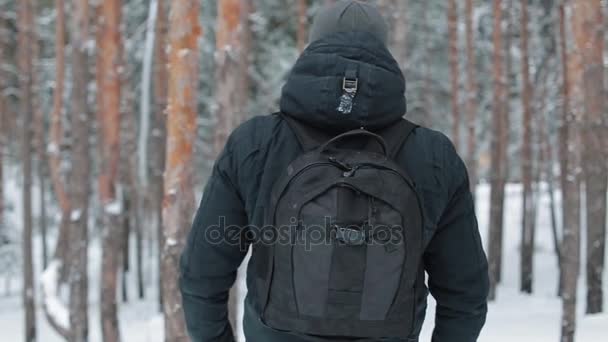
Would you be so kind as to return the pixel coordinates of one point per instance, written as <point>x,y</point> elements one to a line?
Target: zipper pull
<point>343,166</point>
<point>352,171</point>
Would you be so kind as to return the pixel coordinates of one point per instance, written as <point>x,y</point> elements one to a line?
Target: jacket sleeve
<point>212,255</point>
<point>456,262</point>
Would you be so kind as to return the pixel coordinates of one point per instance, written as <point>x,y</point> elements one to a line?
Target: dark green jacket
<point>258,151</point>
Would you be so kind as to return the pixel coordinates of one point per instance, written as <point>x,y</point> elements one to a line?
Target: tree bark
<point>139,250</point>
<point>55,144</point>
<point>505,123</point>
<point>454,70</point>
<point>529,215</point>
<point>159,130</point>
<point>2,147</point>
<point>178,204</point>
<point>498,151</point>
<point>231,53</point>
<point>588,29</point>
<point>471,97</point>
<point>39,146</point>
<point>109,61</point>
<point>564,128</point>
<point>80,176</point>
<point>25,52</point>
<point>546,167</point>
<point>3,129</point>
<point>400,31</point>
<point>427,91</point>
<point>125,243</point>
<point>302,33</point>
<point>145,95</point>
<point>570,179</point>
<point>42,220</point>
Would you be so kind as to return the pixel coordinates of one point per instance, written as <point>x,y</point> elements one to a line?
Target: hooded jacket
<point>257,152</point>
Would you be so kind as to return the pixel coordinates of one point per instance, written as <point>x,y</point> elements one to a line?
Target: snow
<point>513,317</point>
<point>183,53</point>
<point>75,215</point>
<point>50,295</point>
<point>114,208</point>
<point>52,148</point>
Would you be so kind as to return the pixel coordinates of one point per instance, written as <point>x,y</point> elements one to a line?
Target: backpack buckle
<point>349,236</point>
<point>350,86</point>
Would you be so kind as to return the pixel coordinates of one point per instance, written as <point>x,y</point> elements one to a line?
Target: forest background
<point>112,113</point>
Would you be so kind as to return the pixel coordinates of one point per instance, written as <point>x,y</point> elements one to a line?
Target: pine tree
<point>79,177</point>
<point>588,28</point>
<point>159,126</point>
<point>529,215</point>
<point>498,150</point>
<point>454,70</point>
<point>471,98</point>
<point>570,180</point>
<point>302,37</point>
<point>25,53</point>
<point>400,31</point>
<point>231,52</point>
<point>178,204</point>
<point>109,65</point>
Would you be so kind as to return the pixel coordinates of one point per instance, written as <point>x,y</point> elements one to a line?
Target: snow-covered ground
<point>513,317</point>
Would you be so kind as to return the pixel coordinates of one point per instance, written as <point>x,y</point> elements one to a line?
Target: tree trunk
<point>471,97</point>
<point>570,179</point>
<point>25,47</point>
<point>546,167</point>
<point>3,129</point>
<point>2,147</point>
<point>39,145</point>
<point>427,91</point>
<point>109,61</point>
<point>42,221</point>
<point>139,251</point>
<point>504,124</point>
<point>231,52</point>
<point>454,70</point>
<point>498,151</point>
<point>80,177</point>
<point>159,131</point>
<point>589,36</point>
<point>147,109</point>
<point>400,30</point>
<point>55,147</point>
<point>126,234</point>
<point>178,204</point>
<point>145,95</point>
<point>302,37</point>
<point>528,217</point>
<point>564,128</point>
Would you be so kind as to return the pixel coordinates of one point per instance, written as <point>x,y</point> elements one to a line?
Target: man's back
<point>238,193</point>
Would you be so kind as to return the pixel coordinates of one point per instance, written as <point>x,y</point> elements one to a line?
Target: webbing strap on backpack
<point>310,138</point>
<point>397,134</point>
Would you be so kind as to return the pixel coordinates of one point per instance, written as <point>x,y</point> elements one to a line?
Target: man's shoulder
<point>432,158</point>
<point>435,145</point>
<point>254,133</point>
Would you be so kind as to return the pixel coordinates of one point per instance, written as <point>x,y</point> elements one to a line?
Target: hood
<point>315,91</point>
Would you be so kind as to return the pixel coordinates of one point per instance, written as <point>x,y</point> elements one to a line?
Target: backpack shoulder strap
<point>308,137</point>
<point>397,134</point>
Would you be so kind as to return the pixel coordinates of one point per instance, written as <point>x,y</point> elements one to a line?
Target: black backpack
<point>342,244</point>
